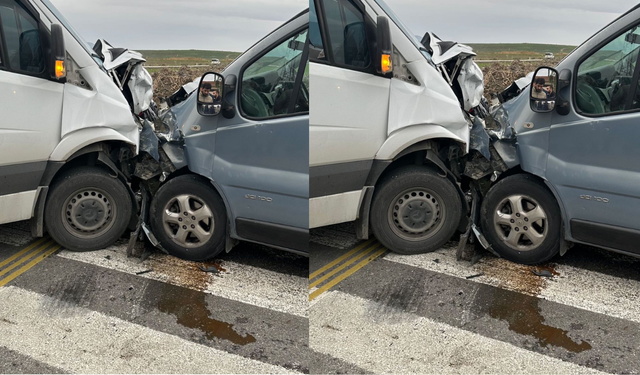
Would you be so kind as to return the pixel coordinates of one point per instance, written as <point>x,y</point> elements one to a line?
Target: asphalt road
<point>371,311</point>
<point>101,312</point>
<point>376,312</point>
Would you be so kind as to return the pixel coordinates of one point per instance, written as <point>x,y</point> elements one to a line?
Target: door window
<point>22,39</point>
<point>268,84</point>
<point>347,34</point>
<point>605,81</point>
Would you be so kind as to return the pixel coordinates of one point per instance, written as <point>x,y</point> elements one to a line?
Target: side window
<point>605,79</point>
<point>22,38</point>
<point>347,34</point>
<point>316,47</point>
<point>268,83</point>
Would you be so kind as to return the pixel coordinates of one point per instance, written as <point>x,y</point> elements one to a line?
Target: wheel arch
<point>217,188</point>
<point>96,154</point>
<point>423,152</point>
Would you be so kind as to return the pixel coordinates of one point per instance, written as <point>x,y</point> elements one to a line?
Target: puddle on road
<point>516,303</point>
<point>190,309</point>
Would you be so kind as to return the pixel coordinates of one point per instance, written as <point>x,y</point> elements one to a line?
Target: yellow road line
<point>21,252</point>
<point>25,258</point>
<point>350,272</point>
<point>342,258</point>
<point>29,265</point>
<point>344,265</point>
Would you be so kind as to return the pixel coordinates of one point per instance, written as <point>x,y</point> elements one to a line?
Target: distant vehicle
<point>549,55</point>
<point>215,61</point>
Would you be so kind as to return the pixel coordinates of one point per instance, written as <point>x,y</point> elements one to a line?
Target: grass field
<point>187,57</point>
<point>504,51</point>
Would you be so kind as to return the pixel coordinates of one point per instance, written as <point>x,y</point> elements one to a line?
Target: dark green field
<point>187,57</point>
<point>506,51</point>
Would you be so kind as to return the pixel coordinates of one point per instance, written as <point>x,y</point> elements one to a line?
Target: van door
<point>349,112</point>
<point>30,113</point>
<point>594,152</point>
<point>262,158</point>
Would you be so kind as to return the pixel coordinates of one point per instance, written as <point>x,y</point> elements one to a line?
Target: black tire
<point>438,209</point>
<point>535,193</point>
<point>87,209</point>
<point>200,192</point>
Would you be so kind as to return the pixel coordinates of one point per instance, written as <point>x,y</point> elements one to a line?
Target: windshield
<point>405,30</point>
<point>70,28</point>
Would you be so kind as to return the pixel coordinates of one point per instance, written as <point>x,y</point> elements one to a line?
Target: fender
<point>73,142</point>
<point>232,234</point>
<point>37,220</point>
<point>406,137</point>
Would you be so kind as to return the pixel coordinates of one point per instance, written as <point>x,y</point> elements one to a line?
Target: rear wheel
<point>189,218</point>
<point>415,211</point>
<point>521,220</point>
<point>87,209</point>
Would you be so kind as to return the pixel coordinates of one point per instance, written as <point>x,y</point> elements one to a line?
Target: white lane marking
<point>575,287</point>
<point>242,283</point>
<point>368,335</point>
<point>86,341</point>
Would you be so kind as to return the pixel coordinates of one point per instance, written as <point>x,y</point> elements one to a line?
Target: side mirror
<point>58,56</point>
<point>384,63</point>
<point>544,88</point>
<point>210,94</point>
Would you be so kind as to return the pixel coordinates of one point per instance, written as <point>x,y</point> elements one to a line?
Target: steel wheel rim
<point>89,213</point>
<point>416,214</point>
<point>188,221</point>
<point>521,223</point>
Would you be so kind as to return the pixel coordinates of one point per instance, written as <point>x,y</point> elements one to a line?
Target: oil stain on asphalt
<point>190,309</point>
<point>522,311</point>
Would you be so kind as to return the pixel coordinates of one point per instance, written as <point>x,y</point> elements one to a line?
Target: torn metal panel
<point>141,87</point>
<point>471,81</point>
<point>149,141</point>
<point>479,139</point>
<point>498,124</point>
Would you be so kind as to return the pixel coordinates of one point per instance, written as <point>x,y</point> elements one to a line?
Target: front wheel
<point>521,220</point>
<point>189,218</point>
<point>415,210</point>
<point>87,209</point>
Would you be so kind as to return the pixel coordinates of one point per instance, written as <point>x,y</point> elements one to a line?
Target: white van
<point>384,127</point>
<point>63,125</point>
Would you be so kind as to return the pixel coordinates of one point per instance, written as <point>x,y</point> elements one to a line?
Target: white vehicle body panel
<point>353,126</point>
<point>17,207</point>
<point>31,112</point>
<point>334,209</point>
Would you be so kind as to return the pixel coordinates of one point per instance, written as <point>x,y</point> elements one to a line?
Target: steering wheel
<point>588,99</point>
<point>253,104</point>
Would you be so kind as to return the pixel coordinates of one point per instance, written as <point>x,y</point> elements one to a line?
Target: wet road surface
<point>101,312</point>
<point>432,314</point>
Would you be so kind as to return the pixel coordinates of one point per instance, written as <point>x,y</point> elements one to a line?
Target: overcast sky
<point>235,25</point>
<point>229,25</point>
<point>509,21</point>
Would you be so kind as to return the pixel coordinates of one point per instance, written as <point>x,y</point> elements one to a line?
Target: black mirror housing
<point>58,54</point>
<point>543,92</point>
<point>384,52</point>
<point>210,94</point>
